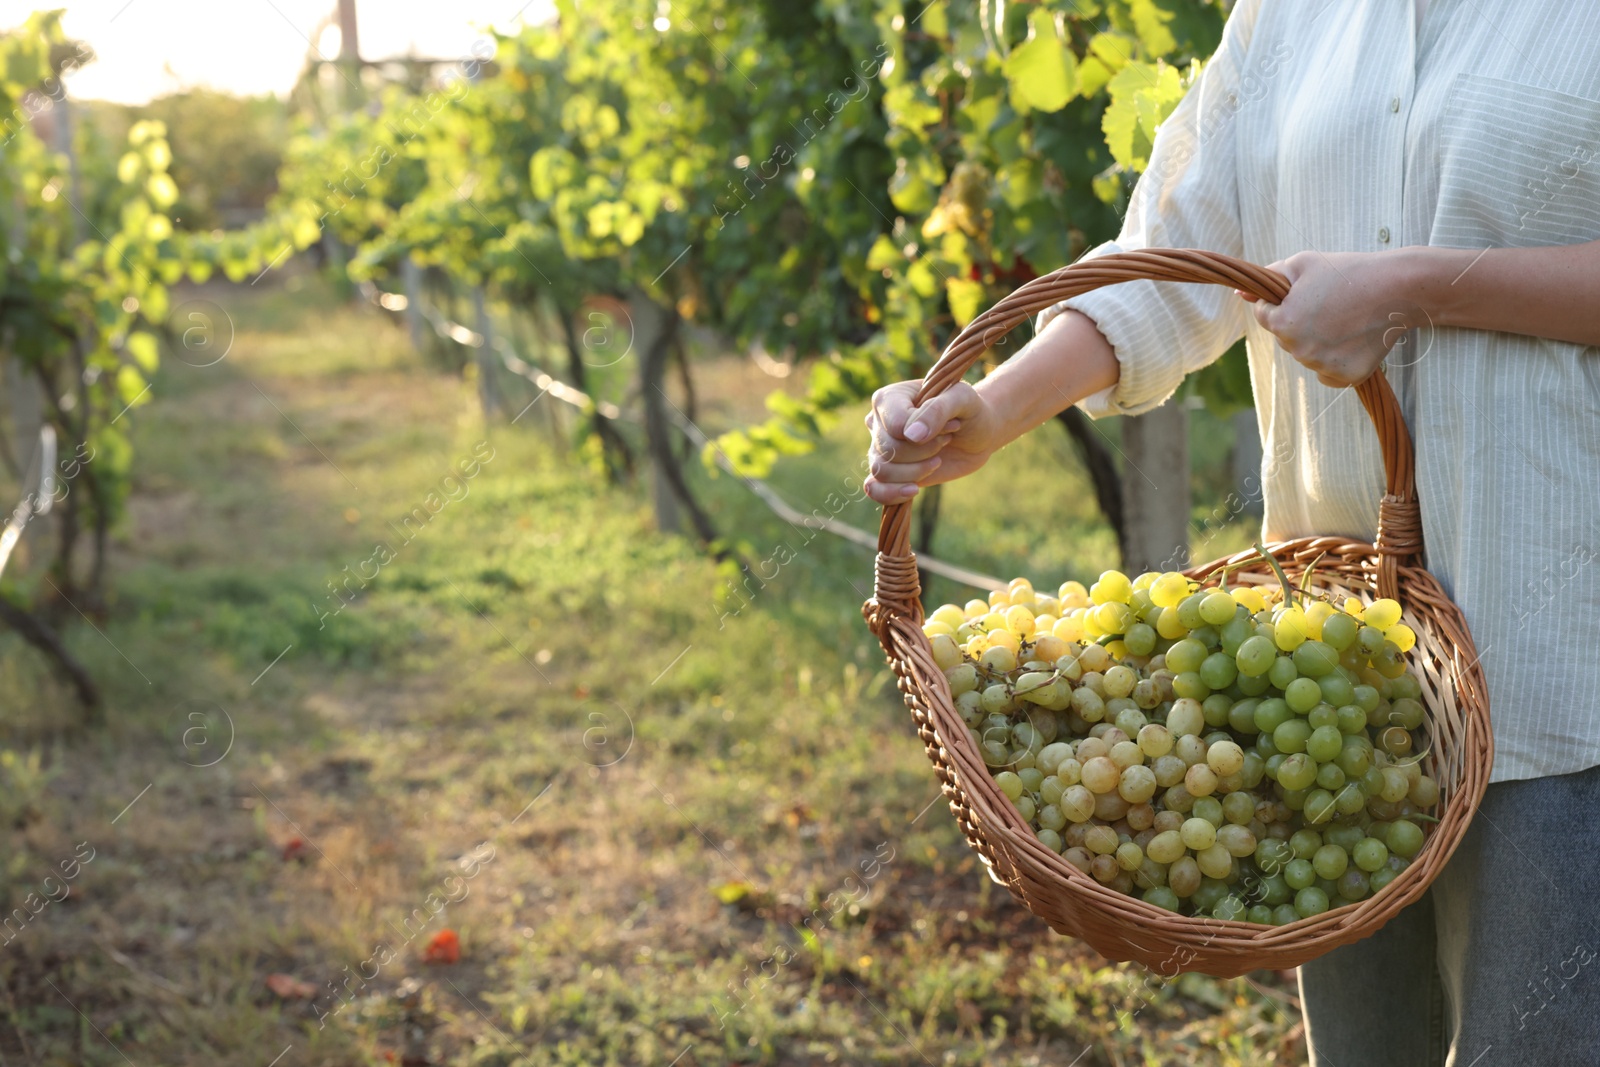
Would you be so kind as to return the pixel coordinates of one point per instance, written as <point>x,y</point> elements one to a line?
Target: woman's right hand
<point>951,435</point>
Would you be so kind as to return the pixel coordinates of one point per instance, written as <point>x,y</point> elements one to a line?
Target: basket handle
<point>1399,518</point>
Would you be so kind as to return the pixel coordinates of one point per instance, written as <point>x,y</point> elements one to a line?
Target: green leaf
<point>1042,70</point>
<point>883,254</point>
<point>1150,23</point>
<point>142,347</point>
<point>933,21</point>
<point>1142,96</point>
<point>966,297</point>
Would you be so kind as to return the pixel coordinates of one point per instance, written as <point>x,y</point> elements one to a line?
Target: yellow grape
<point>1289,627</point>
<point>1250,597</point>
<point>1071,627</point>
<point>995,620</point>
<point>1006,638</point>
<point>1091,627</point>
<point>1047,605</point>
<point>1145,580</point>
<point>1017,584</point>
<point>1114,618</point>
<point>1117,650</point>
<point>945,652</point>
<point>1049,647</point>
<point>999,598</point>
<point>1353,608</point>
<point>933,629</point>
<point>950,615</point>
<point>1043,623</point>
<point>1318,613</point>
<point>1020,621</point>
<point>999,658</point>
<point>1168,626</point>
<point>1403,636</point>
<point>977,646</point>
<point>1382,613</point>
<point>1168,590</point>
<point>976,609</point>
<point>1113,587</point>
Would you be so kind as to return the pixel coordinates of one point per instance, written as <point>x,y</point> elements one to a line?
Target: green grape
<point>1265,747</point>
<point>1324,744</point>
<point>1319,807</point>
<point>1273,856</point>
<point>1050,757</point>
<point>1350,800</point>
<point>1330,860</point>
<point>1255,657</point>
<point>1230,908</point>
<point>1218,670</point>
<point>1298,771</point>
<point>1345,837</point>
<point>1238,808</point>
<point>1027,808</point>
<point>1130,857</point>
<point>1299,874</point>
<point>1077,804</point>
<point>1130,721</point>
<point>995,753</point>
<point>1424,791</point>
<point>1051,789</point>
<point>1395,741</point>
<point>1050,840</point>
<point>1284,914</point>
<point>1189,611</point>
<point>1274,890</point>
<point>1198,834</point>
<point>1259,914</point>
<point>1366,698</point>
<point>1406,687</point>
<point>996,699</point>
<point>1211,890</point>
<point>1242,715</point>
<point>1271,713</point>
<point>963,678</point>
<point>1255,769</point>
<point>1295,799</point>
<point>1339,631</point>
<point>1336,690</point>
<point>1302,695</point>
<point>1032,779</point>
<point>1252,687</point>
<point>1210,809</point>
<point>1378,879</point>
<point>1323,714</point>
<point>1355,758</point>
<point>1235,632</point>
<point>1310,901</point>
<point>1140,639</point>
<point>1189,685</point>
<point>1354,885</point>
<point>1370,854</point>
<point>1215,709</point>
<point>1218,608</point>
<point>1370,640</point>
<point>1292,736</point>
<point>1185,655</point>
<point>1395,785</point>
<point>1010,784</point>
<point>1162,897</point>
<point>1406,713</point>
<point>1282,672</point>
<point>1184,876</point>
<point>1314,659</point>
<point>1330,777</point>
<point>1350,719</point>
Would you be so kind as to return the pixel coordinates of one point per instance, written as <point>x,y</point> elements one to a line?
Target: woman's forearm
<point>1549,292</point>
<point>1069,360</point>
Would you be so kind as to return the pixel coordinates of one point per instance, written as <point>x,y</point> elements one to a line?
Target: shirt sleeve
<point>1186,198</point>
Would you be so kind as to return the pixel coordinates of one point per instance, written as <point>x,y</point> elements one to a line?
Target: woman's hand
<point>1344,311</point>
<point>952,434</point>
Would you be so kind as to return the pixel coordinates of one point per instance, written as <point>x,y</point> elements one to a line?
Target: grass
<point>668,827</point>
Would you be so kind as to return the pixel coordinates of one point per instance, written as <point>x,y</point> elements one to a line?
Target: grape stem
<point>1288,590</point>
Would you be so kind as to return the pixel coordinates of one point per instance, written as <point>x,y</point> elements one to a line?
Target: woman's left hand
<point>1344,312</point>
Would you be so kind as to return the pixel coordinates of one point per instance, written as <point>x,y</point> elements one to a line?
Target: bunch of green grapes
<point>1247,754</point>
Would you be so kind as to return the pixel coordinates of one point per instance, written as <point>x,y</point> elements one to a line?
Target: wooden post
<point>1246,459</point>
<point>650,324</point>
<point>350,53</point>
<point>411,283</point>
<point>1155,489</point>
<point>488,381</point>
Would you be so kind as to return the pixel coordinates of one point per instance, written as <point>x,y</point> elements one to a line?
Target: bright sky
<point>146,48</point>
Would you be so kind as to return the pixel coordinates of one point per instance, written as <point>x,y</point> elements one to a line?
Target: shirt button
<point>1383,234</point>
<point>1394,105</point>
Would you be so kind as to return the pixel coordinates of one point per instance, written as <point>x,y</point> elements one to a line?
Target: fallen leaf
<point>288,987</point>
<point>443,947</point>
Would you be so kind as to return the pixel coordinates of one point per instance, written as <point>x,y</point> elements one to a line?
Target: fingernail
<point>916,431</point>
<point>908,491</point>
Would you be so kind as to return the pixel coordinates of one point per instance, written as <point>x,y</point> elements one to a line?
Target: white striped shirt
<point>1350,127</point>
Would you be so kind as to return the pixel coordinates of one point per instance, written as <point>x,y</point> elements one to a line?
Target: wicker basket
<point>1456,731</point>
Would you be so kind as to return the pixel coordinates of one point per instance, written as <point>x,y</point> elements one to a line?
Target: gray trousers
<point>1497,966</point>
